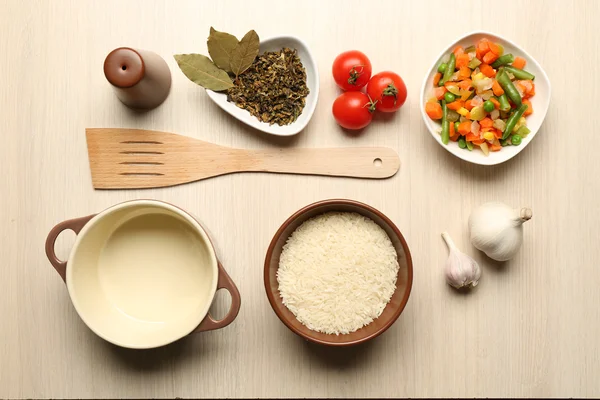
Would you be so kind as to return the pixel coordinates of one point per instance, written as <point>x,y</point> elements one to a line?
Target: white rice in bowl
<point>337,272</point>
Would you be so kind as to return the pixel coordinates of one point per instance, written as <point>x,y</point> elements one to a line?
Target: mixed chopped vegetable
<point>481,96</point>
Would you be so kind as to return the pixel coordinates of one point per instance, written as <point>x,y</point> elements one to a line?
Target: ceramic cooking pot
<point>143,274</point>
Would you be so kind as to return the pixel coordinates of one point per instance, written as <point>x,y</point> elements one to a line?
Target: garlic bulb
<point>497,229</point>
<point>461,270</point>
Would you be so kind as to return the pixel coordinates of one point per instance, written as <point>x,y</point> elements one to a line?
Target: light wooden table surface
<point>532,327</point>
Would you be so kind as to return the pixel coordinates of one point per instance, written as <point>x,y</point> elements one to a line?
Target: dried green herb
<point>220,46</point>
<point>202,71</point>
<point>244,53</point>
<point>273,89</point>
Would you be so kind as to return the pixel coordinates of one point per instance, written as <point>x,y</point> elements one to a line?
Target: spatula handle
<point>357,162</point>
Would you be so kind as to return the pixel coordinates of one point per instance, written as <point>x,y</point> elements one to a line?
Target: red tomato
<point>351,70</point>
<point>387,90</point>
<point>353,110</point>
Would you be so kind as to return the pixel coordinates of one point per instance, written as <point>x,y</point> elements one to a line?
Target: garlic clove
<point>461,270</point>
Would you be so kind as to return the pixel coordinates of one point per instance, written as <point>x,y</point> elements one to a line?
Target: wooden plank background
<point>531,328</point>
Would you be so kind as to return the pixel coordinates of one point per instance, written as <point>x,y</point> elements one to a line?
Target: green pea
<point>462,143</point>
<point>456,124</point>
<point>442,68</point>
<point>488,106</point>
<point>516,140</point>
<point>449,97</point>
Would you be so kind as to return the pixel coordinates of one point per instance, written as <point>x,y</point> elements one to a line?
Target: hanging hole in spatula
<point>377,162</point>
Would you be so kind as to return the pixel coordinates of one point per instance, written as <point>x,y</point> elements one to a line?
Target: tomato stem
<point>355,74</point>
<point>371,104</point>
<point>390,90</point>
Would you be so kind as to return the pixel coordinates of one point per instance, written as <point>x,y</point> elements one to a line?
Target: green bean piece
<point>462,143</point>
<point>488,106</point>
<point>470,49</point>
<point>503,60</point>
<point>445,124</point>
<point>512,121</point>
<point>469,146</point>
<point>509,89</point>
<point>442,68</point>
<point>523,131</point>
<point>456,124</point>
<point>449,70</point>
<point>504,104</point>
<point>505,142</point>
<point>519,73</point>
<point>515,140</point>
<point>449,97</point>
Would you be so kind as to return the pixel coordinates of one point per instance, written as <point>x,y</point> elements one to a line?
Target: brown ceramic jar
<point>141,78</point>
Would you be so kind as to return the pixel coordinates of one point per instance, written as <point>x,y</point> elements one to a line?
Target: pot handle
<point>225,282</point>
<point>75,225</point>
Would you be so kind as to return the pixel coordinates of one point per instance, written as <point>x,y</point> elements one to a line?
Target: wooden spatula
<point>136,158</point>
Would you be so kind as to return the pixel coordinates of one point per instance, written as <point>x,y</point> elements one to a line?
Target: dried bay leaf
<point>244,53</point>
<point>202,71</point>
<point>220,46</point>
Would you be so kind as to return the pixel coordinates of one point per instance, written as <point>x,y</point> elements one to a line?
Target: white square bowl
<point>539,102</point>
<point>312,81</point>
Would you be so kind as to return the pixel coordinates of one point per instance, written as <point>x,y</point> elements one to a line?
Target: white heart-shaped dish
<point>312,81</point>
<point>539,102</point>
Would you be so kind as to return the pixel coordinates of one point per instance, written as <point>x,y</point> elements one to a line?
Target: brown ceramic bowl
<point>391,312</point>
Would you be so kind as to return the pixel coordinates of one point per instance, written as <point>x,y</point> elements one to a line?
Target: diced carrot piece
<point>462,60</point>
<point>455,105</point>
<point>468,105</point>
<point>495,147</point>
<point>482,48</point>
<point>489,57</point>
<point>486,122</point>
<point>478,142</point>
<point>498,134</point>
<point>436,78</point>
<point>464,128</point>
<point>497,89</point>
<point>494,48</point>
<point>519,62</point>
<point>439,92</point>
<point>532,92</point>
<point>529,110</point>
<point>496,103</point>
<point>453,134</point>
<point>458,51</point>
<point>465,84</point>
<point>433,110</point>
<point>464,72</point>
<point>487,70</point>
<point>471,136</point>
